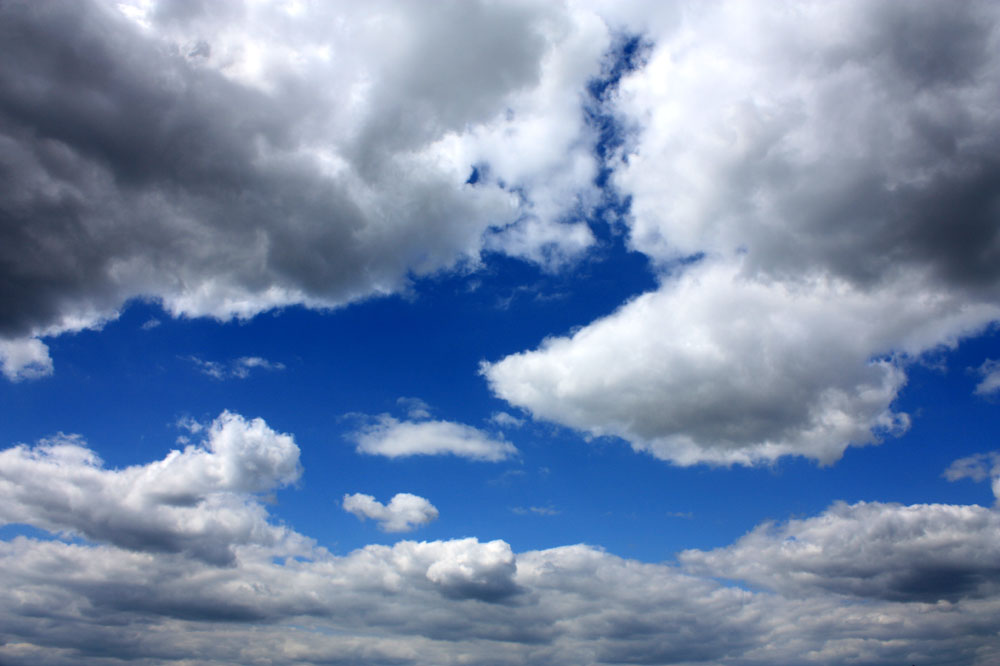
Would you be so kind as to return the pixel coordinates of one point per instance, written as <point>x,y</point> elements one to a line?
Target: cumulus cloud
<point>392,438</point>
<point>404,513</point>
<point>197,501</point>
<point>806,180</point>
<point>922,552</point>
<point>24,359</point>
<point>720,367</point>
<point>927,573</point>
<point>185,154</point>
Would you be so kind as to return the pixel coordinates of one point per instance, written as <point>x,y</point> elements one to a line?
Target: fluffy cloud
<point>392,438</point>
<point>720,367</point>
<point>187,154</point>
<point>820,196</point>
<point>404,513</point>
<point>922,552</point>
<point>927,573</point>
<point>196,501</point>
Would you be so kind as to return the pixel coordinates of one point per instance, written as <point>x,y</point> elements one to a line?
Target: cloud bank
<point>157,591</point>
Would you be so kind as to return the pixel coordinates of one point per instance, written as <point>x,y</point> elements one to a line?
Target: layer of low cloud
<point>819,195</point>
<point>927,575</point>
<point>186,154</point>
<point>393,438</point>
<point>404,512</point>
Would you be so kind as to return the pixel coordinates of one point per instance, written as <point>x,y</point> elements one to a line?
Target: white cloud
<point>818,195</point>
<point>719,367</point>
<point>990,372</point>
<point>399,439</point>
<point>343,190</point>
<point>24,359</point>
<point>505,420</point>
<point>404,513</point>
<point>927,575</point>
<point>979,467</point>
<point>415,408</point>
<point>197,501</point>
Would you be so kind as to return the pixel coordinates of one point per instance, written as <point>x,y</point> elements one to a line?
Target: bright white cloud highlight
<point>403,513</point>
<point>719,367</point>
<point>24,359</point>
<point>392,438</point>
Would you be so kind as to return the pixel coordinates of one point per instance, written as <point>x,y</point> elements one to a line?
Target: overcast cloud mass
<point>813,189</point>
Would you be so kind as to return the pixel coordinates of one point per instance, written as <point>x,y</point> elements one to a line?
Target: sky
<point>499,332</point>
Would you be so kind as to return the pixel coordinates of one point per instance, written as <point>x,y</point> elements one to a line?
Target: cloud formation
<point>185,154</point>
<point>927,573</point>
<point>199,501</point>
<point>392,438</point>
<point>403,513</point>
<point>819,195</point>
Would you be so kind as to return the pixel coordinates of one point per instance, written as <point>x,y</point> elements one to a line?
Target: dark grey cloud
<point>228,161</point>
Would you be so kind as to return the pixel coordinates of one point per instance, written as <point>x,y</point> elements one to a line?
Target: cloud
<point>990,372</point>
<point>24,359</point>
<point>927,575</point>
<point>399,439</point>
<point>505,420</point>
<point>719,367</point>
<point>404,513</point>
<point>415,408</point>
<point>922,552</point>
<point>189,157</point>
<point>805,179</point>
<point>197,501</point>
<point>979,467</point>
<point>239,368</point>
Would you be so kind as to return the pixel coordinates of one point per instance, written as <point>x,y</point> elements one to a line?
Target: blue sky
<point>499,333</point>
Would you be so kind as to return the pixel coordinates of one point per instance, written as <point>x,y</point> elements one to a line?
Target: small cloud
<point>687,515</point>
<point>538,510</point>
<point>239,368</point>
<point>404,513</point>
<point>25,358</point>
<point>150,324</point>
<point>990,372</point>
<point>979,467</point>
<point>415,408</point>
<point>400,439</point>
<point>505,420</point>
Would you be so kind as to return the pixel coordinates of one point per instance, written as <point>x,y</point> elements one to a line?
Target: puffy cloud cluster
<point>817,183</point>
<point>197,501</point>
<point>146,591</point>
<point>225,161</point>
<point>404,512</point>
<point>393,438</point>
